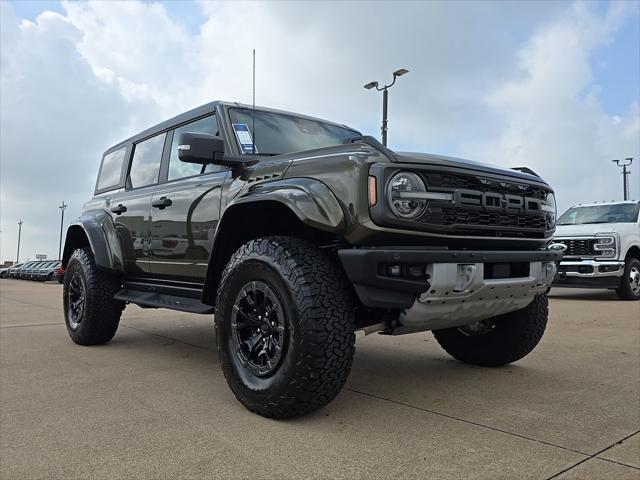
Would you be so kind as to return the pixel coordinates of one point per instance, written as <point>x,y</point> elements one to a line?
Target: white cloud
<point>553,119</point>
<point>507,82</point>
<point>56,118</point>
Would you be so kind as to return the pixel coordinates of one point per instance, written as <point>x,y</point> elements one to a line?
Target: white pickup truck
<point>603,247</point>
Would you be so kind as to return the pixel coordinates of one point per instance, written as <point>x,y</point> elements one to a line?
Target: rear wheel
<point>285,327</point>
<point>91,313</point>
<point>499,340</point>
<point>630,283</point>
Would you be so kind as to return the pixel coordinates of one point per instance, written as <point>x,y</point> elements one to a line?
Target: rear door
<point>186,210</point>
<point>130,208</point>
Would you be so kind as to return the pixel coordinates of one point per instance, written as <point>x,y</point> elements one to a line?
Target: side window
<point>109,175</point>
<point>178,169</point>
<point>145,165</point>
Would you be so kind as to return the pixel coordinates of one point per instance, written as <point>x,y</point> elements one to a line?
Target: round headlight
<point>551,210</point>
<point>400,195</point>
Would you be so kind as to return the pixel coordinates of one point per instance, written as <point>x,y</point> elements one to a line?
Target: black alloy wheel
<point>258,327</point>
<point>76,297</point>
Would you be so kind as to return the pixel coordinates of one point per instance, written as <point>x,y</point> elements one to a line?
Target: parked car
<point>603,247</point>
<point>21,272</point>
<point>10,273</point>
<point>302,238</point>
<point>37,270</point>
<point>60,274</point>
<point>32,272</point>
<point>49,271</point>
<point>4,271</point>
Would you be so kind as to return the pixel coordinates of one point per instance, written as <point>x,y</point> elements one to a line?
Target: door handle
<point>119,209</point>
<point>162,203</point>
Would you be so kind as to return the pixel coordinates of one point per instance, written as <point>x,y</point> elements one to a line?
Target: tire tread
<point>326,319</point>
<point>517,334</point>
<point>102,314</point>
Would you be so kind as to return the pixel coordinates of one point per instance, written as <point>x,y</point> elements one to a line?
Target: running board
<point>163,300</point>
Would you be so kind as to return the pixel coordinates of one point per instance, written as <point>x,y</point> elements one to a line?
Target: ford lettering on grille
<point>496,201</point>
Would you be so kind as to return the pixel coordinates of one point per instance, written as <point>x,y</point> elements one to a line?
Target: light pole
<point>385,99</point>
<point>625,183</point>
<point>19,234</point>
<point>62,209</point>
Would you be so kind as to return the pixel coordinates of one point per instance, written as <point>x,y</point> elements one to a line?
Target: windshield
<point>617,213</point>
<point>277,133</point>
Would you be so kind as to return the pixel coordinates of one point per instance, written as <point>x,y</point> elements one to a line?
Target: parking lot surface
<point>153,403</point>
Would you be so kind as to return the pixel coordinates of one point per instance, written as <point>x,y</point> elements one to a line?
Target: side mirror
<point>200,148</point>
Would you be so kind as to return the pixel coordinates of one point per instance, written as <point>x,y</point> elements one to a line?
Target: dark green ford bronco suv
<point>296,232</point>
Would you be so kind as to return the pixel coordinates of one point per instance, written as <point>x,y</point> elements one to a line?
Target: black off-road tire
<point>100,315</point>
<point>626,290</point>
<point>319,337</point>
<point>511,337</point>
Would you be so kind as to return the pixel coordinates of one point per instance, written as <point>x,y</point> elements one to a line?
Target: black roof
<point>204,110</point>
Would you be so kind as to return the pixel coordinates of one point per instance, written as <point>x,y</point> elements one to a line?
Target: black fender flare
<point>97,229</point>
<point>311,201</point>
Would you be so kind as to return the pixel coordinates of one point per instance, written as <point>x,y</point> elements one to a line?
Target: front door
<point>185,211</point>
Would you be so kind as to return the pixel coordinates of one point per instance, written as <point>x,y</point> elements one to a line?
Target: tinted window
<point>146,162</point>
<point>109,175</point>
<point>178,169</point>
<point>276,133</point>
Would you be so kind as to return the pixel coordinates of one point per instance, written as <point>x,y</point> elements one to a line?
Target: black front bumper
<point>364,266</point>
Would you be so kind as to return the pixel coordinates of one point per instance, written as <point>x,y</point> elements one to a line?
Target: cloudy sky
<point>551,85</point>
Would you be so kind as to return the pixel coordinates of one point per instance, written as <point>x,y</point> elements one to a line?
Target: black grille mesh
<point>456,216</point>
<point>579,247</point>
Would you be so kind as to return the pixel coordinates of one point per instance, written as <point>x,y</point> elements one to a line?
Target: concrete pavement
<point>153,403</point>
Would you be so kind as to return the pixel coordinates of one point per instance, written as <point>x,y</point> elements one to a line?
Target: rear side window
<point>145,165</point>
<point>109,176</point>
<point>178,169</point>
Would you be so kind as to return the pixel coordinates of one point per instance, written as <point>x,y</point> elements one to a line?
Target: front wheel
<point>91,313</point>
<point>285,327</point>
<point>500,340</point>
<point>630,283</point>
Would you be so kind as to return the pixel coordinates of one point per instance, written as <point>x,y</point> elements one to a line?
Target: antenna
<point>253,127</point>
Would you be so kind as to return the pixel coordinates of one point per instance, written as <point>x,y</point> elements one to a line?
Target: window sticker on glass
<point>243,134</point>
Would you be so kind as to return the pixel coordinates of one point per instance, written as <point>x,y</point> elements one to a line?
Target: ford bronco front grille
<point>486,206</point>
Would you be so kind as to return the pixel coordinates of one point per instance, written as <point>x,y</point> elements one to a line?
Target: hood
<point>442,160</point>
<point>583,230</point>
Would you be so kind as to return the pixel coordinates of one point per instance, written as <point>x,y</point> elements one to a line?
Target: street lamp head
<point>623,163</point>
<point>371,85</point>
<point>399,73</point>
